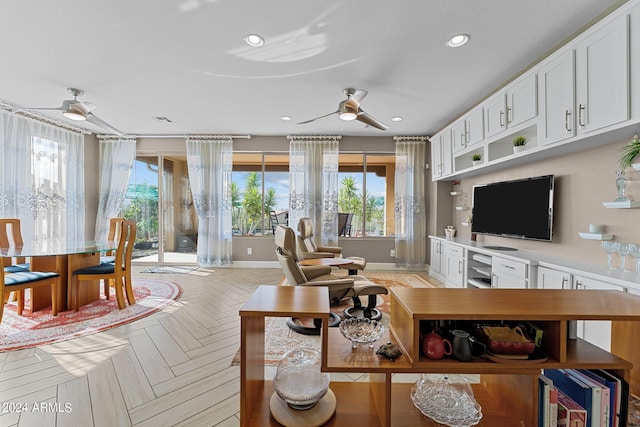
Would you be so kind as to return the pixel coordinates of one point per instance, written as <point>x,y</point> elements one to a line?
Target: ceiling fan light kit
<point>349,110</point>
<point>74,116</point>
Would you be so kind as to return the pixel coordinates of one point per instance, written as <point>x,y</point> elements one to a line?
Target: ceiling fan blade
<point>85,107</point>
<point>367,119</point>
<point>60,108</point>
<point>92,118</point>
<point>326,115</point>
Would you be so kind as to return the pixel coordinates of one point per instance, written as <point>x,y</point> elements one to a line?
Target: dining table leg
<point>90,289</point>
<point>41,296</point>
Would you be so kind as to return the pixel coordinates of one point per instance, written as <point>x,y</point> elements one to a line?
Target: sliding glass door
<point>159,200</point>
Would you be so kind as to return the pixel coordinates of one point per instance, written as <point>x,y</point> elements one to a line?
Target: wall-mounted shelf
<point>636,166</point>
<point>456,193</point>
<point>629,204</point>
<point>461,208</point>
<point>596,236</point>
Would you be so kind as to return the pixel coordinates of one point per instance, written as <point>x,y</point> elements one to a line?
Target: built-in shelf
<point>461,208</point>
<point>629,204</point>
<point>596,236</point>
<point>456,193</point>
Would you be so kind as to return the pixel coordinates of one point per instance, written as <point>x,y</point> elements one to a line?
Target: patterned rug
<point>279,338</point>
<point>171,269</point>
<point>33,329</point>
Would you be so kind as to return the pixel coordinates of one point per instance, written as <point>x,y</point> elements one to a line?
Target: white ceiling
<point>186,60</point>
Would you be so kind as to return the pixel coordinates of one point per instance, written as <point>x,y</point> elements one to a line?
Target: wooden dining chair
<point>114,225</point>
<point>11,227</point>
<point>117,273</point>
<point>18,282</point>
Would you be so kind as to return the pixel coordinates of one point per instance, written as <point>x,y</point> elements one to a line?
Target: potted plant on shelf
<point>629,153</point>
<point>476,159</point>
<point>518,143</point>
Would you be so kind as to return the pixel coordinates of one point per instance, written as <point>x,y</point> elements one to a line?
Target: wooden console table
<point>508,393</point>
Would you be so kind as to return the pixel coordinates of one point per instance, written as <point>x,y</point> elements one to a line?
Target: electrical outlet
<point>249,251</point>
<point>392,253</point>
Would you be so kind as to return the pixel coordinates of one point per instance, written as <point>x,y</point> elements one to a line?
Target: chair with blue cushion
<point>117,273</point>
<point>18,282</point>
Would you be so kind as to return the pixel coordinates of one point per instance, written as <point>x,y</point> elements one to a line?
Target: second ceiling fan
<point>349,109</point>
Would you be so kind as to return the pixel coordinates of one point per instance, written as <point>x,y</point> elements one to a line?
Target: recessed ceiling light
<point>254,40</point>
<point>285,118</point>
<point>396,119</point>
<point>458,40</point>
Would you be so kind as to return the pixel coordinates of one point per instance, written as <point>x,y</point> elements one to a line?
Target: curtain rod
<point>193,136</point>
<point>314,137</point>
<point>411,138</point>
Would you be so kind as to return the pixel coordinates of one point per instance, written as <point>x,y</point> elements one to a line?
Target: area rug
<point>171,269</point>
<point>33,329</point>
<point>279,338</point>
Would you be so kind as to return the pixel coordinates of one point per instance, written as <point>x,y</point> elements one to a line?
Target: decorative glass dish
<point>298,379</point>
<point>446,399</point>
<point>361,330</point>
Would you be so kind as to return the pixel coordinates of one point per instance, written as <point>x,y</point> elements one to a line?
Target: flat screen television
<point>520,208</point>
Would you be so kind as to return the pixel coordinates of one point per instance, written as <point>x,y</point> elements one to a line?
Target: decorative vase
<point>298,379</point>
<point>518,148</point>
<point>476,162</point>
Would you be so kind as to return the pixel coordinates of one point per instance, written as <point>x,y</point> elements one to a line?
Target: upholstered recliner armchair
<point>308,249</point>
<point>339,288</point>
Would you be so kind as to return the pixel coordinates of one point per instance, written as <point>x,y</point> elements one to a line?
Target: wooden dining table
<point>63,258</point>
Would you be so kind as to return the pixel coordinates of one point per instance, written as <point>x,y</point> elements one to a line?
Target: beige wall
<point>583,180</point>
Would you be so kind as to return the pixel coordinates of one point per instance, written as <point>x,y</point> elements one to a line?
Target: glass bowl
<point>446,399</point>
<point>298,379</point>
<point>361,330</point>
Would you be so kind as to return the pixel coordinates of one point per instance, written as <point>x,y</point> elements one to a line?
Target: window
<point>366,192</point>
<point>260,192</point>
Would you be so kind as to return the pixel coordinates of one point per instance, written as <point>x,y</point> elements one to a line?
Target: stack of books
<point>582,397</point>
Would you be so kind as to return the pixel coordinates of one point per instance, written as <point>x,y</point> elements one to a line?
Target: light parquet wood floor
<point>168,369</point>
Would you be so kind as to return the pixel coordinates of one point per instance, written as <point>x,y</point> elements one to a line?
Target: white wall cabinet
<point>602,77</point>
<point>511,107</point>
<point>441,154</point>
<point>587,88</point>
<point>468,131</point>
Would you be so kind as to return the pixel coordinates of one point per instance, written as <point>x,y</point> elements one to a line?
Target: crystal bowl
<point>446,399</point>
<point>298,379</point>
<point>361,330</point>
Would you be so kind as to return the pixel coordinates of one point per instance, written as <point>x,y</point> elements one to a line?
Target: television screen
<point>521,208</point>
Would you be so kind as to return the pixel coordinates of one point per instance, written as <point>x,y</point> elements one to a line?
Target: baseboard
<point>379,266</point>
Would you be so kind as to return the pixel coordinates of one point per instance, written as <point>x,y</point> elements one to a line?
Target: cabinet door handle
<point>501,117</point>
<point>578,284</point>
<point>509,116</point>
<point>494,279</point>
<point>580,119</point>
<point>567,125</point>
<point>565,281</point>
<point>460,262</point>
<point>508,266</point>
<point>462,140</point>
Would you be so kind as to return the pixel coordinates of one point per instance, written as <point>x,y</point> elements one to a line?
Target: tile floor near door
<point>169,369</point>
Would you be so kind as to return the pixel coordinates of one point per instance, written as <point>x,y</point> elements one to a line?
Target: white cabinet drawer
<point>509,267</point>
<point>456,251</point>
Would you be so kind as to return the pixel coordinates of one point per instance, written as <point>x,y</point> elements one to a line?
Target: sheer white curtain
<point>410,212</point>
<point>42,178</point>
<point>209,161</point>
<point>313,185</point>
<point>117,155</point>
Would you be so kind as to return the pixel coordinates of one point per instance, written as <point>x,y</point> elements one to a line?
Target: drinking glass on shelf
<point>634,251</point>
<point>623,249</point>
<point>609,248</point>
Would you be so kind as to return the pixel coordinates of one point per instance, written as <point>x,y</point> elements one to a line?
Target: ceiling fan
<point>81,110</point>
<point>349,109</point>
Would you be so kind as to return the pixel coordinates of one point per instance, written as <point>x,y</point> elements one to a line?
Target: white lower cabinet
<point>549,278</point>
<point>507,273</point>
<point>437,255</point>
<point>455,266</point>
<point>597,332</point>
